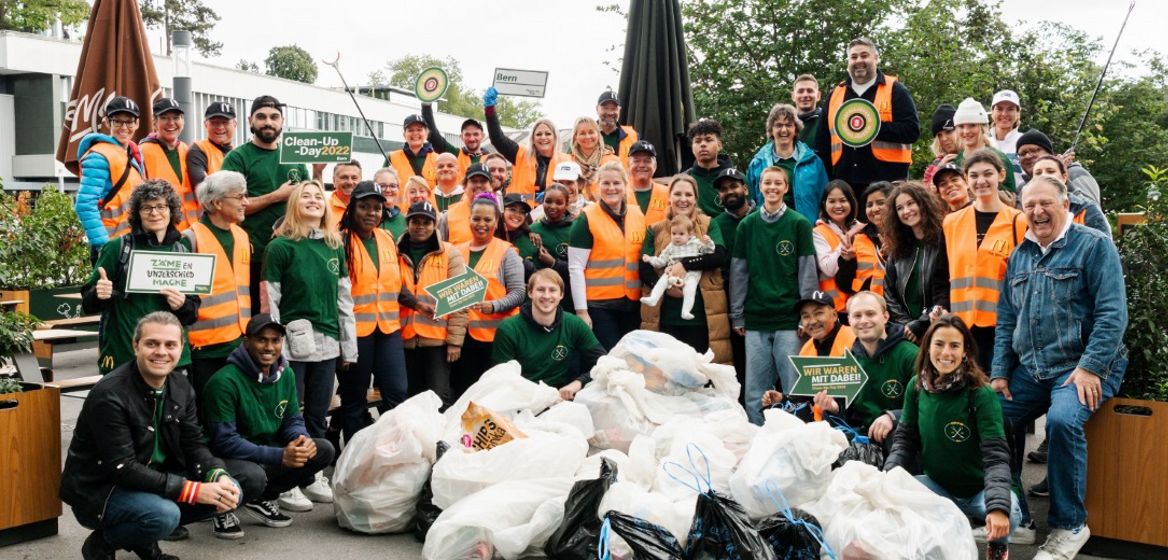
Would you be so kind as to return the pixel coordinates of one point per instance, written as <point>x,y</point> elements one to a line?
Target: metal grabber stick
<point>1091,103</point>
<point>336,66</point>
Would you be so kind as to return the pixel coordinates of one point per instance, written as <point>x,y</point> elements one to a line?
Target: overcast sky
<point>568,38</point>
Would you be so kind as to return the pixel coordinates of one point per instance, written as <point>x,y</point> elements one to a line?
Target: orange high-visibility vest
<point>658,204</point>
<point>626,144</point>
<point>401,164</point>
<point>613,264</point>
<point>115,211</point>
<point>158,167</point>
<point>869,264</point>
<point>214,155</point>
<point>892,152</point>
<point>1081,217</point>
<point>458,222</point>
<point>976,272</point>
<point>843,341</point>
<point>482,326</point>
<point>523,174</point>
<point>464,162</point>
<point>224,313</point>
<point>376,287</point>
<point>827,285</point>
<point>337,207</point>
<point>430,271</point>
<point>592,190</point>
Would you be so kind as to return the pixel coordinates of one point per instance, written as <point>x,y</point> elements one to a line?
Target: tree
<point>183,15</point>
<point>247,66</point>
<point>459,99</point>
<point>34,16</point>
<point>292,63</point>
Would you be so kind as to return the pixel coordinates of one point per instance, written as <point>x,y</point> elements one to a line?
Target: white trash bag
<point>511,519</point>
<point>503,390</point>
<point>380,473</point>
<point>670,366</point>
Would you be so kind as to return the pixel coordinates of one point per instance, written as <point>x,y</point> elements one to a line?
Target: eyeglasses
<point>387,186</point>
<point>160,209</point>
<point>119,123</point>
<point>238,197</point>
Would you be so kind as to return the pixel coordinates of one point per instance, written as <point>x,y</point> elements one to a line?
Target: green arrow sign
<point>458,293</point>
<point>839,376</point>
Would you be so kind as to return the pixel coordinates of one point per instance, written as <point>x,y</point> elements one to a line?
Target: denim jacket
<point>1064,309</point>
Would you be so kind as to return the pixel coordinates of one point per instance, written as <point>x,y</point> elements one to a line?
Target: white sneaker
<point>1063,544</point>
<point>1024,534</point>
<point>294,500</point>
<point>319,491</point>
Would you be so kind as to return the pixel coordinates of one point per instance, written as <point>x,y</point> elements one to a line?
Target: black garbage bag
<point>862,449</point>
<point>578,536</point>
<point>647,541</point>
<point>722,531</point>
<point>791,537</point>
<point>427,512</point>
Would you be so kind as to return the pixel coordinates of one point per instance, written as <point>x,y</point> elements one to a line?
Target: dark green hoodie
<point>889,371</point>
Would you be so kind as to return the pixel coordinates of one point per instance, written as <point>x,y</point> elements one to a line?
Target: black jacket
<point>114,440</point>
<point>858,166</point>
<point>934,286</point>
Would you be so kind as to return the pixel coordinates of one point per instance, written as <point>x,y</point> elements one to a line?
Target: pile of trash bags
<point>654,459</point>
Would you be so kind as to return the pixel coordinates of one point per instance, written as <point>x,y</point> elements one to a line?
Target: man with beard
<point>620,138</point>
<point>206,156</point>
<point>496,166</point>
<point>651,197</point>
<point>806,96</point>
<point>705,137</point>
<point>472,150</point>
<point>736,201</point>
<point>888,156</point>
<point>269,182</point>
<point>346,175</point>
<point>1034,144</point>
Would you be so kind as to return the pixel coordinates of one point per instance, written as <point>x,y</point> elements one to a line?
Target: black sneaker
<point>1038,455</point>
<point>152,552</point>
<point>226,526</point>
<point>1042,489</point>
<point>179,534</point>
<point>95,547</point>
<point>268,513</point>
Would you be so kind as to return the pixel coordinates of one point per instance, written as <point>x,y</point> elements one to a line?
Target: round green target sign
<point>857,122</point>
<point>431,84</point>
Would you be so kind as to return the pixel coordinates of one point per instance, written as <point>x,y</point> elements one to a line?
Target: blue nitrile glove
<point>490,97</point>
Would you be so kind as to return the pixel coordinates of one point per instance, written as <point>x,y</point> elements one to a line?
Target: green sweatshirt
<point>264,174</point>
<point>771,252</point>
<point>308,271</point>
<point>888,375</point>
<point>544,354</point>
<point>952,426</point>
<point>257,409</point>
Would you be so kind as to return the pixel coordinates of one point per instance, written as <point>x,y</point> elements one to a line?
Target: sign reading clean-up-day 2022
<point>316,147</point>
<point>458,293</point>
<point>840,376</point>
<point>188,273</point>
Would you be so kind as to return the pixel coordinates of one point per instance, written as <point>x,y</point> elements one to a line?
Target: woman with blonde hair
<point>590,153</point>
<point>973,134</point>
<point>534,164</point>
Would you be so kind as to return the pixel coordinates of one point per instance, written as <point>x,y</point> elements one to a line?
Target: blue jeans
<point>314,384</point>
<point>380,357</point>
<point>267,482</point>
<point>1066,467</point>
<point>134,518</point>
<point>974,507</point>
<point>766,362</point>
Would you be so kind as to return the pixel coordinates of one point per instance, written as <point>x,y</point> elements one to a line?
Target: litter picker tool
<point>336,66</point>
<point>1091,103</point>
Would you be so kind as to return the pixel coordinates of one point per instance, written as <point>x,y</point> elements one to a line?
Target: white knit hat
<point>970,112</point>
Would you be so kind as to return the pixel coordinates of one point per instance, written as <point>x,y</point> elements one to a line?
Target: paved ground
<point>313,535</point>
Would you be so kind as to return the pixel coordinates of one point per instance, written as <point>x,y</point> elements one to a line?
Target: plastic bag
<point>504,390</point>
<point>485,430</point>
<point>794,456</point>
<point>427,512</point>
<point>511,520</point>
<point>653,507</point>
<point>643,540</point>
<point>668,365</point>
<point>579,533</point>
<point>860,447</point>
<point>793,534</point>
<point>382,470</point>
<point>573,414</point>
<point>719,463</point>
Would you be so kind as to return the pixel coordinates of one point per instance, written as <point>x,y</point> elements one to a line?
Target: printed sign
<point>188,273</point>
<point>857,122</point>
<point>316,147</point>
<point>431,85</point>
<point>457,293</point>
<point>526,83</point>
<point>840,376</point>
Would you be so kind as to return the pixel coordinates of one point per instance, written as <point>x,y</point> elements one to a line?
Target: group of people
<point>818,248</point>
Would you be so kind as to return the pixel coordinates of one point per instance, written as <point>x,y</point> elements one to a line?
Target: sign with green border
<point>840,376</point>
<point>431,85</point>
<point>188,273</point>
<point>458,293</point>
<point>857,122</point>
<point>316,147</point>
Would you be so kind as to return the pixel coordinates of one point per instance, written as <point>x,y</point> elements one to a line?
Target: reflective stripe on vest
<point>224,313</point>
<point>376,287</point>
<point>828,285</point>
<point>892,152</point>
<point>158,167</point>
<point>434,268</point>
<point>976,272</point>
<point>844,339</point>
<point>869,264</point>
<point>612,268</point>
<point>481,326</point>
<point>114,214</point>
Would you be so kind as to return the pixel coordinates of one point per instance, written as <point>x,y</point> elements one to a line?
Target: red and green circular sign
<point>857,122</point>
<point>431,84</point>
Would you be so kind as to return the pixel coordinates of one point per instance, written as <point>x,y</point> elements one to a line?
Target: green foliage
<point>184,15</point>
<point>459,99</point>
<point>247,66</point>
<point>34,16</point>
<point>291,63</point>
<point>9,385</point>
<point>43,246</point>
<point>1145,258</point>
<point>15,334</point>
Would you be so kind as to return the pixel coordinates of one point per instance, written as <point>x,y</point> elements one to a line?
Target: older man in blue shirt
<point>1059,346</point>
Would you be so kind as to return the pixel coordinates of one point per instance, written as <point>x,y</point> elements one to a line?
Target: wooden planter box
<point>46,304</point>
<point>30,463</point>
<point>1127,490</point>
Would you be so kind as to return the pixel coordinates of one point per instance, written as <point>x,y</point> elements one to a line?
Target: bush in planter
<point>42,245</point>
<point>15,333</point>
<point>1144,250</point>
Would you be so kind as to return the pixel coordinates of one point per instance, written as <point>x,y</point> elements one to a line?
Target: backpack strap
<point>117,184</point>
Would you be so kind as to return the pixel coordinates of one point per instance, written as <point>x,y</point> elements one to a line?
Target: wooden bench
<point>83,321</point>
<point>76,384</point>
<point>47,341</point>
<point>10,304</point>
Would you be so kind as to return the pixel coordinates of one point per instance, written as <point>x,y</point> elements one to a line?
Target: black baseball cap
<point>260,322</point>
<point>266,101</point>
<point>366,189</point>
<point>122,104</point>
<point>477,169</point>
<point>606,97</point>
<point>818,298</point>
<point>730,174</point>
<point>414,119</point>
<point>423,208</point>
<point>219,109</point>
<point>471,122</point>
<point>945,170</point>
<point>166,105</point>
<point>642,146</point>
<point>516,200</point>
